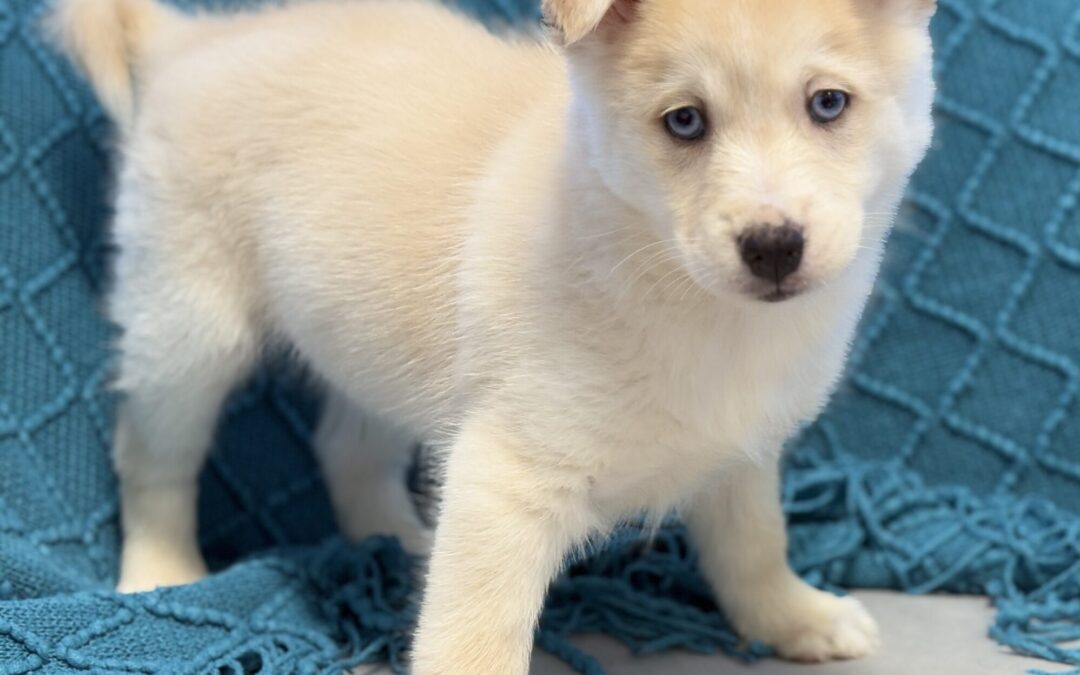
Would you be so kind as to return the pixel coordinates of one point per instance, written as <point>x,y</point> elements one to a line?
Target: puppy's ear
<point>576,19</point>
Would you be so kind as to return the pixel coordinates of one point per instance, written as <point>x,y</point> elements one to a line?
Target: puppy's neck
<point>612,248</point>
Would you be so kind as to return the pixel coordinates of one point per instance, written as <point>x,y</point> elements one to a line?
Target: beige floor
<point>923,636</point>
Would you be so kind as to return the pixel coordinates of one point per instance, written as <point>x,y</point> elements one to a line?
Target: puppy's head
<point>769,140</point>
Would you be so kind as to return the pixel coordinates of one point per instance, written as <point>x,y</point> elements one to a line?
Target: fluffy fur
<point>495,245</point>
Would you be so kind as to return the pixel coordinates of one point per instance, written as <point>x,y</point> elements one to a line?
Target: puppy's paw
<point>384,507</point>
<point>136,582</point>
<point>815,626</point>
<point>842,629</point>
<point>145,566</point>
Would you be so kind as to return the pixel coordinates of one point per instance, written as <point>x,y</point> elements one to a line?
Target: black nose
<point>772,253</point>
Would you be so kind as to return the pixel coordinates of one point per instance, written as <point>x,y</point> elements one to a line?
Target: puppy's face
<point>767,140</point>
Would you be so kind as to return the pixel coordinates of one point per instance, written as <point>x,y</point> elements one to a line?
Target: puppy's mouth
<point>777,292</point>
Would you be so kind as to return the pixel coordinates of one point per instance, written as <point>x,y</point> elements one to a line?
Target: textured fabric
<point>950,460</point>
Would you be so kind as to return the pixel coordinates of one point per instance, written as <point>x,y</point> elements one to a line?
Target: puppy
<point>609,272</point>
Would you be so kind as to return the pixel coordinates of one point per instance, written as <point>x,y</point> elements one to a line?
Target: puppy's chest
<point>681,410</point>
<point>678,429</point>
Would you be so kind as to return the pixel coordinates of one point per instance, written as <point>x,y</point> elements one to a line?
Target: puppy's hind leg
<point>365,462</point>
<point>184,346</point>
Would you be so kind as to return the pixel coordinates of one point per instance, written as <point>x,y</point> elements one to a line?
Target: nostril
<point>772,253</point>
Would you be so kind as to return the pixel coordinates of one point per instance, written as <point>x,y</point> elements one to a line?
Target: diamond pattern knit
<point>950,459</point>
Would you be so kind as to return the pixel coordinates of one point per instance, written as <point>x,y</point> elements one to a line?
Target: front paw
<point>146,564</point>
<point>813,626</point>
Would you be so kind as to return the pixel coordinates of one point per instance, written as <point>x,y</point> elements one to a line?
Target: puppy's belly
<point>390,353</point>
<point>656,489</point>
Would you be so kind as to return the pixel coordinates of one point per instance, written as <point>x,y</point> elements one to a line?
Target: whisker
<point>670,256</point>
<point>637,252</point>
<point>599,235</point>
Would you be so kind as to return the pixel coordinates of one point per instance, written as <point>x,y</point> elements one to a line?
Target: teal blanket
<point>949,460</point>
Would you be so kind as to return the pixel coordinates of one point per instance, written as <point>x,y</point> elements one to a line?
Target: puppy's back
<point>327,155</point>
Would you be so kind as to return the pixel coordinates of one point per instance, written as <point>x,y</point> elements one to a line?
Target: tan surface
<point>923,636</point>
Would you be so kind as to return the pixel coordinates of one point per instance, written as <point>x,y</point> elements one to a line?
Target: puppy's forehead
<point>757,19</point>
<point>747,38</point>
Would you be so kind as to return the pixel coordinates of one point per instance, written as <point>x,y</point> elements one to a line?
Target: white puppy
<point>609,276</point>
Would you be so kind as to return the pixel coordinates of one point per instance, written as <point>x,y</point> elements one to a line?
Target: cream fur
<point>495,245</point>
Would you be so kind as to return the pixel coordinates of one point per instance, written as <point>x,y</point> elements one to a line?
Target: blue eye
<point>827,105</point>
<point>686,124</point>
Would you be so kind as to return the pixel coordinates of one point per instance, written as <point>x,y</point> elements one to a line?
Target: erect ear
<point>575,19</point>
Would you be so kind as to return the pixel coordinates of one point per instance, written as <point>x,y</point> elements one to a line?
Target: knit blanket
<point>948,461</point>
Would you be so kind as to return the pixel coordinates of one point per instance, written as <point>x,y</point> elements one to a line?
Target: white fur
<point>365,462</point>
<point>494,245</point>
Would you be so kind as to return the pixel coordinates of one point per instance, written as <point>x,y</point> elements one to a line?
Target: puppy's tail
<point>111,40</point>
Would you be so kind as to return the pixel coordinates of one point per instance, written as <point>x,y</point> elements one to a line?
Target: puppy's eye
<point>685,124</point>
<point>827,105</point>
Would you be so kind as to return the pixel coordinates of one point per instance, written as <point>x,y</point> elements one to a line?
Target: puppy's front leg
<point>738,526</point>
<point>506,523</point>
